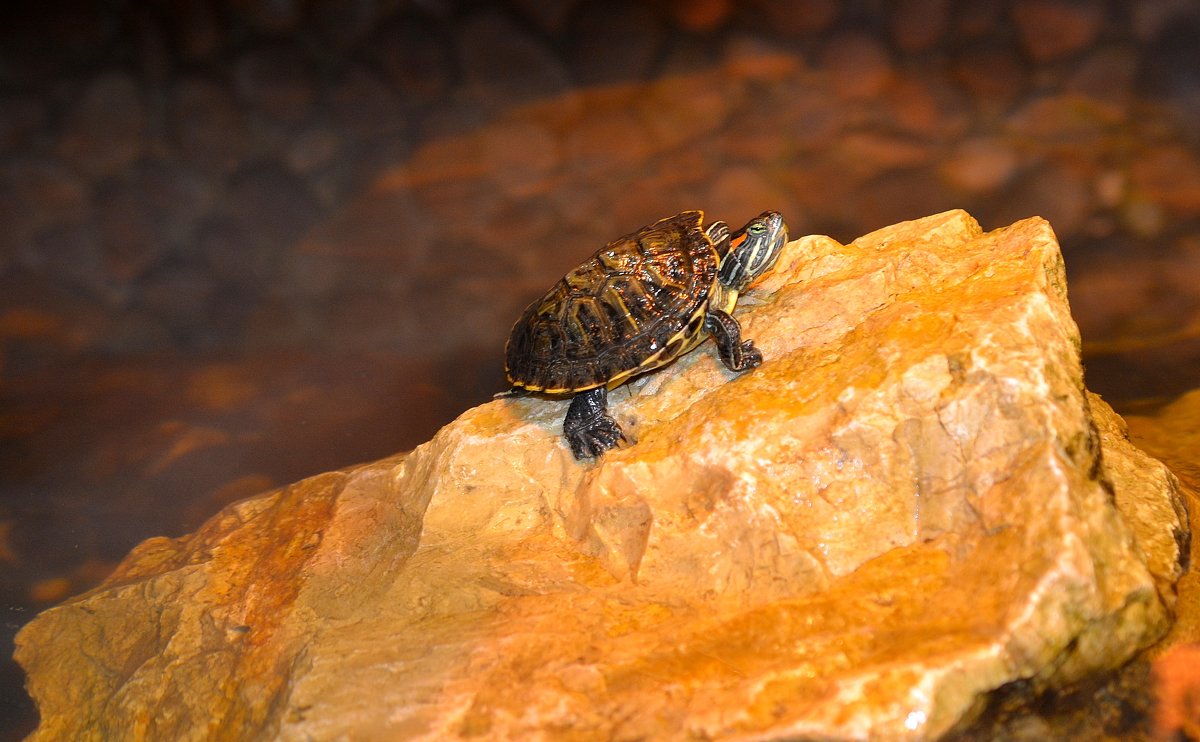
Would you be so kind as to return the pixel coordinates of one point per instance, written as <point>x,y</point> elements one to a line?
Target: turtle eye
<point>757,228</point>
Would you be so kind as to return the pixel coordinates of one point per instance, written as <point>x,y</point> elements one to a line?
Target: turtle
<point>636,305</point>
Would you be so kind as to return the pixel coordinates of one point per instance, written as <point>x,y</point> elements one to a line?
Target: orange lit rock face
<point>910,503</point>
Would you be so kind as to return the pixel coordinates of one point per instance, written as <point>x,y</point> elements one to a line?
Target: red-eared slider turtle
<point>636,305</point>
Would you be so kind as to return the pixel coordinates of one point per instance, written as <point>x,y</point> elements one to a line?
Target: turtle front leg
<point>736,354</point>
<point>588,428</point>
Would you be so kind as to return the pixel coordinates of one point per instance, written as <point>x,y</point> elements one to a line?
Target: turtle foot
<point>594,437</point>
<point>588,428</point>
<point>747,357</point>
<point>736,354</point>
<point>744,357</point>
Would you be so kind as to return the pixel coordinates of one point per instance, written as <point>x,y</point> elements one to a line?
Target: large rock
<point>912,502</point>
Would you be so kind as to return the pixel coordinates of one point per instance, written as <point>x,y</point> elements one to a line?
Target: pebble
<point>913,106</point>
<point>993,75</point>
<point>177,195</point>
<point>276,16</point>
<point>857,65</point>
<point>791,18</point>
<point>318,274</point>
<point>899,196</point>
<point>194,31</point>
<point>105,130</point>
<point>549,17</point>
<point>828,196</point>
<point>1065,121</point>
<point>42,309</point>
<point>700,16</point>
<point>1170,66</point>
<point>418,60</point>
<point>503,66</point>
<point>980,165</point>
<point>686,55</point>
<point>228,252</point>
<point>206,126</point>
<point>1149,18</point>
<point>45,42</point>
<point>70,253</point>
<point>520,231</point>
<point>578,206</point>
<point>1058,193</point>
<point>1108,289</point>
<point>463,204</point>
<point>35,194</point>
<point>520,156</point>
<point>180,296</point>
<point>362,106</point>
<point>754,58</point>
<point>973,19</point>
<point>132,237</point>
<point>652,197</point>
<point>1181,269</point>
<point>1108,77</point>
<point>273,324</point>
<point>40,190</point>
<point>867,154</point>
<point>755,136</point>
<point>1169,175</point>
<point>155,64</point>
<point>918,25</point>
<point>135,332</point>
<point>810,118</point>
<point>1142,217</point>
<point>742,193</point>
<point>1110,187</point>
<point>50,591</point>
<point>21,120</point>
<point>612,143</point>
<point>343,24</point>
<point>313,148</point>
<point>612,41</point>
<point>440,159</point>
<point>1054,29</point>
<point>275,81</point>
<point>683,110</point>
<point>272,204</point>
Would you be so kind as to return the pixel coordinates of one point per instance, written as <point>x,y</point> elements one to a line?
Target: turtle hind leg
<point>736,354</point>
<point>588,428</point>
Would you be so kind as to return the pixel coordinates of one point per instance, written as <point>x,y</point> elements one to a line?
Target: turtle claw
<point>588,428</point>
<point>751,357</point>
<point>595,437</point>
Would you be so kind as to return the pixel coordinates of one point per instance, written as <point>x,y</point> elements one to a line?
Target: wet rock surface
<point>912,503</point>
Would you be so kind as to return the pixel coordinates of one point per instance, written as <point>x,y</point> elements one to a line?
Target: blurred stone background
<point>244,241</point>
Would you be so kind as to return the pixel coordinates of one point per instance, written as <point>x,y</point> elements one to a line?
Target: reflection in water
<point>244,245</point>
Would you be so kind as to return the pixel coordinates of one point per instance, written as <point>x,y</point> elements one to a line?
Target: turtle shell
<point>636,305</point>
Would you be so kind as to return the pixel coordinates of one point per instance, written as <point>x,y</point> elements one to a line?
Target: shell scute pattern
<point>637,301</point>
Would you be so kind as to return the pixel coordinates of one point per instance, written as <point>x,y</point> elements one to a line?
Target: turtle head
<point>753,250</point>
